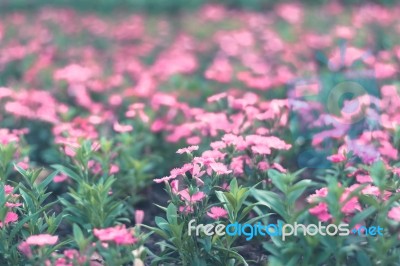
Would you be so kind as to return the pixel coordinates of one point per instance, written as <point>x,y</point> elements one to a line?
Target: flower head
<point>217,212</point>
<point>188,149</point>
<point>41,240</point>
<point>394,214</point>
<point>118,234</point>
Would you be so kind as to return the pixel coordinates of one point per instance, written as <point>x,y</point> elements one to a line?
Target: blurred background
<point>159,6</point>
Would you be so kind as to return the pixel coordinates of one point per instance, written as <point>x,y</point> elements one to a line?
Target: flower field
<point>120,133</point>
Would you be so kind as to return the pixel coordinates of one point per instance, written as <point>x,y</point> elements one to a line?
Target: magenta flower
<point>60,178</point>
<point>321,212</point>
<point>337,158</point>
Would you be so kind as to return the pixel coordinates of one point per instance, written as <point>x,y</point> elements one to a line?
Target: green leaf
<point>47,181</point>
<point>157,231</point>
<point>277,179</point>
<point>233,186</point>
<point>361,216</point>
<point>234,254</point>
<point>162,223</point>
<point>378,174</point>
<point>78,235</point>
<point>69,172</point>
<point>172,215</point>
<point>295,191</point>
<point>272,200</point>
<point>363,259</point>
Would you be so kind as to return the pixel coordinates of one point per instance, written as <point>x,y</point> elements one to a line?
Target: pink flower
<point>11,217</point>
<point>188,149</point>
<point>237,165</point>
<point>163,179</point>
<point>290,12</point>
<point>69,151</point>
<point>186,209</point>
<point>175,186</point>
<point>396,171</point>
<point>321,211</point>
<point>352,204</point>
<point>25,249</point>
<point>60,178</point>
<point>115,100</point>
<point>139,216</point>
<point>220,168</point>
<point>8,189</point>
<point>279,167</point>
<point>364,179</point>
<point>118,234</point>
<point>337,158</point>
<point>217,212</point>
<point>12,205</point>
<point>261,149</point>
<point>114,169</point>
<point>216,97</point>
<point>193,140</point>
<point>41,240</point>
<point>320,193</point>
<point>122,128</point>
<point>263,166</point>
<point>394,214</point>
<point>198,196</point>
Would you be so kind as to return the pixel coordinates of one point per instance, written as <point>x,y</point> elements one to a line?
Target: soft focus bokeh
<point>116,114</point>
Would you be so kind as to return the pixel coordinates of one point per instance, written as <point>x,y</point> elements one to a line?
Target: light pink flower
<point>188,149</point>
<point>114,169</point>
<point>220,168</point>
<point>279,167</point>
<point>216,97</point>
<point>41,240</point>
<point>320,193</point>
<point>396,171</point>
<point>11,217</point>
<point>198,196</point>
<point>163,179</point>
<point>394,214</point>
<point>69,151</point>
<point>364,178</point>
<point>118,234</point>
<point>25,249</point>
<point>261,149</point>
<point>139,216</point>
<point>122,128</point>
<point>217,212</point>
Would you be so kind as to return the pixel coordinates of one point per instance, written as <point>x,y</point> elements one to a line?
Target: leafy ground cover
<point>117,131</point>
